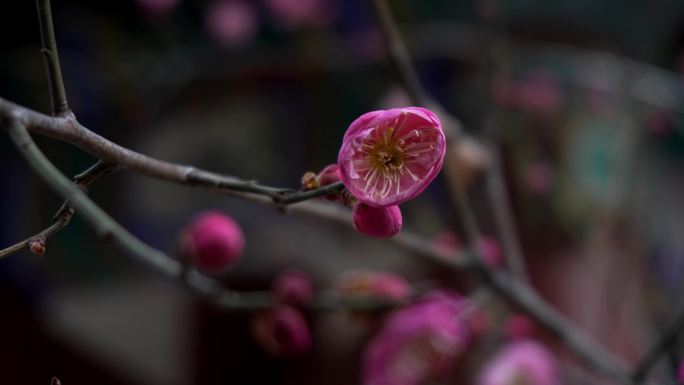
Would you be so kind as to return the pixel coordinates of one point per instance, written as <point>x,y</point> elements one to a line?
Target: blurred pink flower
<point>680,372</point>
<point>282,331</point>
<point>519,326</point>
<point>390,156</point>
<point>292,287</point>
<point>447,242</point>
<point>491,252</point>
<point>231,22</point>
<point>157,8</point>
<point>539,177</point>
<point>302,13</point>
<point>213,241</point>
<point>416,343</point>
<point>374,283</point>
<point>521,362</point>
<point>377,222</point>
<point>538,92</point>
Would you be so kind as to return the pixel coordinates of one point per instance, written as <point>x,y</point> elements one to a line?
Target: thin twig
<point>503,216</point>
<point>63,216</point>
<point>60,107</point>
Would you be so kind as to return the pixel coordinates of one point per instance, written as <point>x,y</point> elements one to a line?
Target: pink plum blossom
<point>377,222</point>
<point>390,156</point>
<point>292,287</point>
<point>380,284</point>
<point>416,343</point>
<point>282,331</point>
<point>213,241</point>
<point>231,22</point>
<point>521,362</point>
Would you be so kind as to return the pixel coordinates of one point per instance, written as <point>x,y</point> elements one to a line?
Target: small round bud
<point>213,242</point>
<point>378,222</point>
<point>282,331</point>
<point>309,180</point>
<point>37,246</point>
<point>292,287</point>
<point>329,175</point>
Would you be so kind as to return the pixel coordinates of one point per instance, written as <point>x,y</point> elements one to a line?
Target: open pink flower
<point>213,241</point>
<point>522,362</point>
<point>416,343</point>
<point>390,156</point>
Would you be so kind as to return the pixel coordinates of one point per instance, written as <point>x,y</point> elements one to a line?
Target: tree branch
<point>68,129</point>
<point>60,107</point>
<point>65,212</point>
<point>668,338</point>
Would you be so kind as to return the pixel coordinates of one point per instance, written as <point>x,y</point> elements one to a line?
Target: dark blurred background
<point>581,98</point>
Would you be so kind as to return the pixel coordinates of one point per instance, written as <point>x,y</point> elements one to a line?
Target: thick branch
<point>60,106</point>
<point>68,129</point>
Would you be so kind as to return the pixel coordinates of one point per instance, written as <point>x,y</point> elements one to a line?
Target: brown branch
<point>63,216</point>
<point>68,129</point>
<point>60,107</point>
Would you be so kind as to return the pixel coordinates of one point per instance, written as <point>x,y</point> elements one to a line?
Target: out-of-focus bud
<point>293,287</point>
<point>521,362</point>
<point>231,23</point>
<point>282,331</point>
<point>37,246</point>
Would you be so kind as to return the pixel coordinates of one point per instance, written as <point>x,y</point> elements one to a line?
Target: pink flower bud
<point>292,287</point>
<point>374,283</point>
<point>37,246</point>
<point>282,331</point>
<point>231,22</point>
<point>416,343</point>
<point>390,156</point>
<point>213,242</point>
<point>378,222</point>
<point>519,326</point>
<point>329,175</point>
<point>521,362</point>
